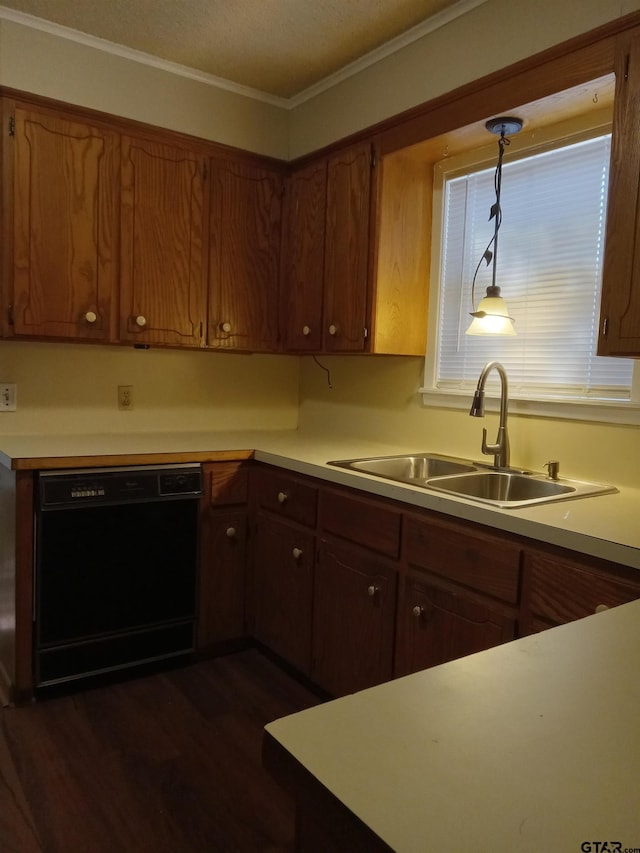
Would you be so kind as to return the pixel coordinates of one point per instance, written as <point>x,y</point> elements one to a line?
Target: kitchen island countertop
<point>533,745</point>
<point>603,526</point>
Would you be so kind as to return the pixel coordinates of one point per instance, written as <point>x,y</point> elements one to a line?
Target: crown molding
<point>371,58</point>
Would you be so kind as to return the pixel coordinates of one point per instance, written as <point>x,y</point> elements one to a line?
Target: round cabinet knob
<point>226,327</point>
<point>231,532</point>
<point>90,317</point>
<point>417,610</point>
<point>282,497</point>
<point>372,590</point>
<point>141,321</point>
<point>601,608</point>
<point>333,329</point>
<point>297,553</point>
<point>306,331</point>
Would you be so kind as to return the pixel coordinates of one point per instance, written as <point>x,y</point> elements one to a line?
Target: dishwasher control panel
<point>87,486</point>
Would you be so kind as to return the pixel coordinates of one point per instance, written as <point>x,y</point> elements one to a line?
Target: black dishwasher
<point>116,567</point>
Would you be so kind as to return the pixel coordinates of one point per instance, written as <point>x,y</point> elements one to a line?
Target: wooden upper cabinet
<point>244,255</point>
<point>163,283</point>
<point>64,238</point>
<point>620,303</point>
<point>304,258</point>
<point>346,256</point>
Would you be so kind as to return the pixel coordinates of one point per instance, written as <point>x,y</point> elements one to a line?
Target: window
<point>549,268</point>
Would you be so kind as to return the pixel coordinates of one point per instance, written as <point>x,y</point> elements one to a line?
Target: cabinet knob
<point>417,610</point>
<point>601,608</point>
<point>141,321</point>
<point>231,532</point>
<point>226,327</point>
<point>282,497</point>
<point>306,330</point>
<point>90,317</point>
<point>333,329</point>
<point>297,553</point>
<point>372,591</point>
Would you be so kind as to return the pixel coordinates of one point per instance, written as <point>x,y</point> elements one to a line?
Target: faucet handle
<point>554,469</point>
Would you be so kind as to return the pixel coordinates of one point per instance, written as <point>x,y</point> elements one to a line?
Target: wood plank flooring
<point>167,762</point>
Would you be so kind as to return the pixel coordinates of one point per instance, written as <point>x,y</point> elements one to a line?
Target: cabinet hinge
<point>366,333</point>
<point>627,61</point>
<point>12,126</point>
<point>605,327</point>
<point>10,318</point>
<point>373,156</point>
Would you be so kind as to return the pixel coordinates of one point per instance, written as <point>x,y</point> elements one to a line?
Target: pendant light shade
<point>491,317</point>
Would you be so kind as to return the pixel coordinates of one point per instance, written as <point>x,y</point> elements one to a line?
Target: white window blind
<point>549,269</point>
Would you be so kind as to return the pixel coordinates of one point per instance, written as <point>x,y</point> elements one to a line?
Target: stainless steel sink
<point>408,469</point>
<point>505,488</point>
<point>508,489</point>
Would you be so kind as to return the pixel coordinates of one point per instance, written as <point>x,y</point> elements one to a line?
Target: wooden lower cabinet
<point>224,528</point>
<point>436,625</point>
<point>282,589</point>
<point>354,619</point>
<point>561,589</point>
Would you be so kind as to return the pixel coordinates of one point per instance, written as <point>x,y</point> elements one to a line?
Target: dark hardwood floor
<point>166,762</point>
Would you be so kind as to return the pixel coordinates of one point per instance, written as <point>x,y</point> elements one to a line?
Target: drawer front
<point>361,521</point>
<point>228,483</point>
<point>286,496</point>
<point>562,591</point>
<point>484,563</point>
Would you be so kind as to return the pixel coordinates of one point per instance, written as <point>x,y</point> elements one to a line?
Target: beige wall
<point>489,37</point>
<point>65,388</point>
<point>376,398</point>
<point>69,388</point>
<point>48,65</point>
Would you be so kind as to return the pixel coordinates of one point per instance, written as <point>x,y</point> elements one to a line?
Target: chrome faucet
<point>500,449</point>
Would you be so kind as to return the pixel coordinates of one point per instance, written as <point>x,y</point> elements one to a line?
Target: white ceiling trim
<point>435,22</point>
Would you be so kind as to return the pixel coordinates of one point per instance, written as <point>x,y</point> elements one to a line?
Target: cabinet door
<point>562,590</point>
<point>620,303</point>
<point>353,619</point>
<point>282,590</point>
<point>244,260</point>
<point>437,625</point>
<point>163,287</point>
<point>304,264</point>
<point>222,576</point>
<point>65,218</point>
<point>346,260</point>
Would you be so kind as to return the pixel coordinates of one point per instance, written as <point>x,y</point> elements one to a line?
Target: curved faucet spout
<point>500,449</point>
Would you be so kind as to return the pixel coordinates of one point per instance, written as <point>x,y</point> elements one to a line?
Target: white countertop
<point>531,746</point>
<point>605,526</point>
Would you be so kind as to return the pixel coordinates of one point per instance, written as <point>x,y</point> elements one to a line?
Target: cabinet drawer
<point>287,496</point>
<point>362,521</point>
<point>228,483</point>
<point>562,591</point>
<point>485,563</point>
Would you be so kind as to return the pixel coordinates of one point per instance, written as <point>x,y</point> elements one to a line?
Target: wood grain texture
<point>620,302</point>
<point>346,259</point>
<point>244,260</point>
<point>53,463</point>
<point>163,269</point>
<point>65,227</point>
<point>170,762</point>
<point>304,258</point>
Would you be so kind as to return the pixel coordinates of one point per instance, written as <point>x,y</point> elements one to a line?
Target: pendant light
<point>492,315</point>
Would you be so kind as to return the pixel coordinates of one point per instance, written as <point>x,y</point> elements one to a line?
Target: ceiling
<point>277,47</point>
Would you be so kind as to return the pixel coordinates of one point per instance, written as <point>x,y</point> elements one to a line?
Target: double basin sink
<point>504,488</point>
